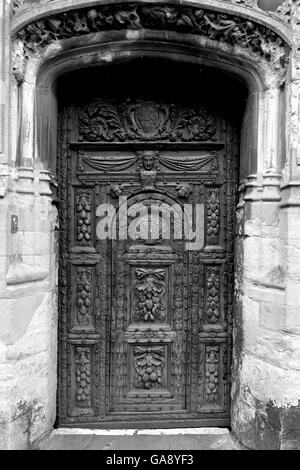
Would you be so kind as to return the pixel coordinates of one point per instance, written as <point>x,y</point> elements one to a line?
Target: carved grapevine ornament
<point>212,301</point>
<point>149,363</point>
<point>213,216</point>
<point>83,377</point>
<point>228,29</point>
<point>84,294</point>
<point>84,217</point>
<point>150,290</point>
<point>212,375</point>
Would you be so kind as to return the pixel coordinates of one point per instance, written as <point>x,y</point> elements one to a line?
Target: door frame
<point>213,421</point>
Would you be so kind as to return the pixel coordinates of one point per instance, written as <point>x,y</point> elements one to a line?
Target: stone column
<point>28,304</point>
<point>4,80</point>
<point>266,396</point>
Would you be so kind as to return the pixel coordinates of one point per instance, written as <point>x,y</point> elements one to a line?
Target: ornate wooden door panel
<point>145,320</point>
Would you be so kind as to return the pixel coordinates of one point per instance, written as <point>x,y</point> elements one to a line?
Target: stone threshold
<point>138,432</point>
<point>140,439</point>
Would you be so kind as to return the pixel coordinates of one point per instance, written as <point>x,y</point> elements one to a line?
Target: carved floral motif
<point>148,363</point>
<point>83,377</point>
<point>212,374</point>
<point>149,291</point>
<point>144,121</point>
<point>226,28</point>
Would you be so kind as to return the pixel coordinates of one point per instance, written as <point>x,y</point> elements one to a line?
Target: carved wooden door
<point>144,314</point>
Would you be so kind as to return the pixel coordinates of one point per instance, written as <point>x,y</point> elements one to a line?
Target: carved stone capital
<point>18,60</point>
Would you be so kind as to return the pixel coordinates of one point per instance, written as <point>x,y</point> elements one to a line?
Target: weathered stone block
<point>292,297</point>
<point>269,214</point>
<point>265,394</point>
<point>272,316</point>
<point>252,257</point>
<point>17,317</point>
<point>290,436</point>
<point>292,321</point>
<point>266,294</point>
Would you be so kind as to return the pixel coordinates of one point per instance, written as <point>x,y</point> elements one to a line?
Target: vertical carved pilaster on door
<point>213,216</point>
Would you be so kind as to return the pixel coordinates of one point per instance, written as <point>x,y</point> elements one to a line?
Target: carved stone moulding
<point>280,8</point>
<point>226,29</point>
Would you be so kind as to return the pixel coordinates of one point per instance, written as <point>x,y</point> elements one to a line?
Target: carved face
<point>148,162</point>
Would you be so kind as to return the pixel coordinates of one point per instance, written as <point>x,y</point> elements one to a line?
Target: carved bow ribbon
<point>159,274</point>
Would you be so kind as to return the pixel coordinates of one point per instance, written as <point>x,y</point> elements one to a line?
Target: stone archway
<point>248,49</point>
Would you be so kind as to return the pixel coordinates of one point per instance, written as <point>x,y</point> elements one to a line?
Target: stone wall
<point>266,412</point>
<point>266,373</point>
<point>28,312</point>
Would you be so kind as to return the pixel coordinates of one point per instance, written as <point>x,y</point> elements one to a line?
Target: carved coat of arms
<point>148,119</point>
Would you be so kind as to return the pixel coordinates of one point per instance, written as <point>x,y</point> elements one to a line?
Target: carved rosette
<point>229,29</point>
<point>212,374</point>
<point>149,293</point>
<point>149,363</point>
<point>83,377</point>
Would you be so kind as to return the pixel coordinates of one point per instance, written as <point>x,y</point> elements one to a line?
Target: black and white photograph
<point>150,228</point>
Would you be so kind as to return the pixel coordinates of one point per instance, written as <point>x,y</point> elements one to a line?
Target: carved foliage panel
<point>144,120</point>
<point>83,372</point>
<point>83,299</point>
<point>149,366</point>
<point>148,341</point>
<point>214,295</point>
<point>149,295</point>
<point>179,325</point>
<point>214,372</point>
<point>213,216</point>
<point>119,321</point>
<point>83,205</point>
